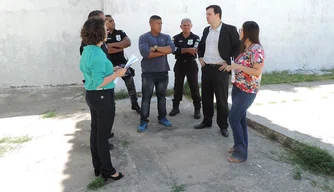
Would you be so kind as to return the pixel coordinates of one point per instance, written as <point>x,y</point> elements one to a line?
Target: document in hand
<point>131,61</point>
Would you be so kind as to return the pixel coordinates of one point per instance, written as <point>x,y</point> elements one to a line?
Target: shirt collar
<point>218,28</point>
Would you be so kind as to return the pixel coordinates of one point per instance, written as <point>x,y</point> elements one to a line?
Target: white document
<point>131,61</point>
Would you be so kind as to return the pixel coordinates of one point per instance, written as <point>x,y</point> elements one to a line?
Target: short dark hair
<point>95,13</point>
<point>216,10</point>
<point>108,16</point>
<point>251,30</point>
<point>93,31</point>
<point>155,17</point>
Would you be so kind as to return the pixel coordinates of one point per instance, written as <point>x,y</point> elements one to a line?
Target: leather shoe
<point>197,114</point>
<point>201,126</point>
<point>224,132</point>
<point>111,135</point>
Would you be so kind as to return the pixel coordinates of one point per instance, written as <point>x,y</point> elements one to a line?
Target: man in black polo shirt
<point>186,44</point>
<point>117,41</point>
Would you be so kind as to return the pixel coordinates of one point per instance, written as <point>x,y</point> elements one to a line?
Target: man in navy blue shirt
<point>154,46</point>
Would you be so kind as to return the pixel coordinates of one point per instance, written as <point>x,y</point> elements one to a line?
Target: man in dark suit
<point>219,43</point>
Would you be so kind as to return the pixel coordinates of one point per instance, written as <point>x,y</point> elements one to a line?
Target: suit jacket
<point>228,45</point>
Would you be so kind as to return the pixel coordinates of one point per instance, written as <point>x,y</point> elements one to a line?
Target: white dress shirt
<point>211,54</point>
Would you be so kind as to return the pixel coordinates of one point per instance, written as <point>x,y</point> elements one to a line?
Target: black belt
<point>186,60</point>
<point>212,65</point>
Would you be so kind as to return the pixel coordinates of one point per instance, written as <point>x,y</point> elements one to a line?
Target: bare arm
<point>122,44</point>
<point>110,78</point>
<point>112,50</point>
<point>155,54</point>
<point>166,50</point>
<point>256,70</point>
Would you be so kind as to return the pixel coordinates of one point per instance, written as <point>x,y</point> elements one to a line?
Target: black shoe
<point>201,126</point>
<point>224,132</point>
<point>135,107</point>
<point>97,172</point>
<point>120,176</point>
<point>111,135</point>
<point>197,114</point>
<point>174,111</point>
<point>111,146</point>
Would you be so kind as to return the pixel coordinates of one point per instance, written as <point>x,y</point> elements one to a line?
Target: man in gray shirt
<point>154,46</point>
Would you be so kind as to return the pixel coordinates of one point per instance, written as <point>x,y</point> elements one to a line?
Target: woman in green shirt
<point>99,75</point>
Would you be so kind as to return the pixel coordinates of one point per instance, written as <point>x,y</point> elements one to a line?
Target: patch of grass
<point>312,88</point>
<point>312,158</point>
<point>272,137</point>
<point>313,183</point>
<point>122,94</point>
<point>96,183</point>
<point>258,103</point>
<point>48,115</point>
<point>296,99</point>
<point>4,149</point>
<point>169,92</point>
<point>125,143</point>
<point>286,77</point>
<point>297,174</point>
<point>9,143</point>
<point>178,188</point>
<point>272,102</point>
<point>15,140</point>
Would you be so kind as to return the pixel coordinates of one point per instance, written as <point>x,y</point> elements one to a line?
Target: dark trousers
<point>241,101</point>
<point>159,80</point>
<point>130,85</point>
<point>102,110</point>
<point>215,82</point>
<point>187,68</point>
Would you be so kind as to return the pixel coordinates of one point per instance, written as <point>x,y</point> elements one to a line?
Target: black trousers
<point>102,109</point>
<point>187,68</point>
<point>130,85</point>
<point>215,82</point>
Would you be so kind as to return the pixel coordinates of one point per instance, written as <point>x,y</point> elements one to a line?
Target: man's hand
<point>152,48</point>
<point>192,51</point>
<point>223,66</point>
<point>201,61</point>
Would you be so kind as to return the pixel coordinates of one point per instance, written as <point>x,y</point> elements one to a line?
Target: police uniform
<point>118,59</point>
<point>186,65</point>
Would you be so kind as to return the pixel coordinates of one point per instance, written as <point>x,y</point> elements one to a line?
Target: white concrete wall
<point>40,39</point>
<point>295,34</point>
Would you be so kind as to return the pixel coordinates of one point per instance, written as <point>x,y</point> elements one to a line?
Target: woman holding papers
<point>248,69</point>
<point>99,74</point>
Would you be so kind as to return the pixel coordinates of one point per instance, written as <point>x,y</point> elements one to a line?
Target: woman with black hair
<point>248,70</point>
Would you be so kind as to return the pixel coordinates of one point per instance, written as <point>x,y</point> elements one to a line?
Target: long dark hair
<point>251,31</point>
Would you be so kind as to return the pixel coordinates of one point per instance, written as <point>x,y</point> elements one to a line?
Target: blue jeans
<point>241,101</point>
<point>159,80</point>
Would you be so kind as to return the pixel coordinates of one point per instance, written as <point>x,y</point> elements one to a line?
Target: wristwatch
<point>155,47</point>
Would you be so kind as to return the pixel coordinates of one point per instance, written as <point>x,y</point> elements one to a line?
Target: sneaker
<point>142,127</point>
<point>164,121</point>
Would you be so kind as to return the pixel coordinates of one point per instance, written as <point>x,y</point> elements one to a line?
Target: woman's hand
<point>117,68</point>
<point>232,66</point>
<point>120,72</point>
